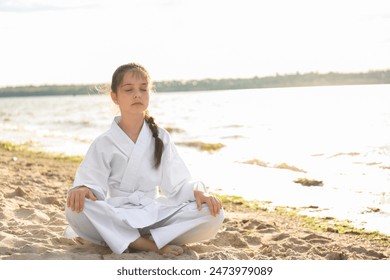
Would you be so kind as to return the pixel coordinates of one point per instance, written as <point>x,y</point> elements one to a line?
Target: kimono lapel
<point>140,148</point>
<point>121,140</point>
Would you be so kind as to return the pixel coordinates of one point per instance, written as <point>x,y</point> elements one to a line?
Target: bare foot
<point>145,244</point>
<point>171,250</point>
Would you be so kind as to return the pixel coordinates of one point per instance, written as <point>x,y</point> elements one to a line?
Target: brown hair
<point>138,69</point>
<point>135,68</point>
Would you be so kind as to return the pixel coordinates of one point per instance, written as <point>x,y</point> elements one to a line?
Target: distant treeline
<point>288,80</point>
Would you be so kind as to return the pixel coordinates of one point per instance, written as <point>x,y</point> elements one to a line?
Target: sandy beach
<point>32,199</point>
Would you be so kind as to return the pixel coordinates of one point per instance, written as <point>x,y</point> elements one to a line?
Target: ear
<point>114,97</point>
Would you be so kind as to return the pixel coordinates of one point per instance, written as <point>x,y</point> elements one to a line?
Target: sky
<point>84,41</point>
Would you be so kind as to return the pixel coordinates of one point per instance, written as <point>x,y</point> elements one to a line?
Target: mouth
<point>137,103</point>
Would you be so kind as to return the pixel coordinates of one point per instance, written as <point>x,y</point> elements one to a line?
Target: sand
<point>32,199</point>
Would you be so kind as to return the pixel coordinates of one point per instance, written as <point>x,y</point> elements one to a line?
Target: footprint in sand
<point>265,228</point>
<point>31,215</point>
<point>51,200</point>
<point>18,192</point>
<point>253,240</point>
<point>279,236</point>
<point>364,252</point>
<point>314,238</point>
<point>296,245</point>
<point>336,256</point>
<point>230,238</point>
<point>259,226</point>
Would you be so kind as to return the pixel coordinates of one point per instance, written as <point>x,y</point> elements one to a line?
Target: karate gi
<point>135,198</point>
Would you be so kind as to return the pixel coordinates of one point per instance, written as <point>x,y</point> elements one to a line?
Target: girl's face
<point>132,95</point>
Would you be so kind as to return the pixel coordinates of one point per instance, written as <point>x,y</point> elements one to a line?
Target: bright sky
<point>83,41</point>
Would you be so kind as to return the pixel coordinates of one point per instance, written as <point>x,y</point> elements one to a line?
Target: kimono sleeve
<point>177,184</point>
<point>94,171</point>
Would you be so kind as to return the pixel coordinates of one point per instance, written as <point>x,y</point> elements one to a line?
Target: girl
<point>133,190</point>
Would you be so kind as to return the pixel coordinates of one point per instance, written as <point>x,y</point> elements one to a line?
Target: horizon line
<point>204,79</point>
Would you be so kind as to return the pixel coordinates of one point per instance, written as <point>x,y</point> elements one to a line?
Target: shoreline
<point>33,189</point>
<point>308,79</point>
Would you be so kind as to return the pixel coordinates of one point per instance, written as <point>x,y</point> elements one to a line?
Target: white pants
<point>101,226</point>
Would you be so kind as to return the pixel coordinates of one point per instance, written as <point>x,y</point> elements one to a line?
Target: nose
<point>137,94</point>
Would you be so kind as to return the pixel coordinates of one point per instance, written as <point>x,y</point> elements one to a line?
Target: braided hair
<point>158,143</point>
<point>117,79</point>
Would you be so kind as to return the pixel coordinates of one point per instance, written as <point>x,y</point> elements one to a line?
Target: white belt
<point>137,198</point>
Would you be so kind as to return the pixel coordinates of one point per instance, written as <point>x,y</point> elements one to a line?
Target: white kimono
<point>134,198</point>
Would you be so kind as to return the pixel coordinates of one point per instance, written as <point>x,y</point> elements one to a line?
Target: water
<point>338,135</point>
